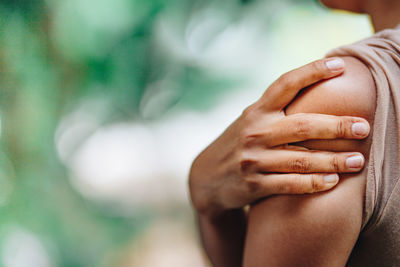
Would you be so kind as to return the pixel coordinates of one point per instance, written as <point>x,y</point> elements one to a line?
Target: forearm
<point>222,221</point>
<point>223,237</point>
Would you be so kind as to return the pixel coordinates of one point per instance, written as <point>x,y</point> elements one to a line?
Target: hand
<point>252,159</point>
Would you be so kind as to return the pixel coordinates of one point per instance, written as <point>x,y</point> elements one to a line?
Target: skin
<point>220,188</point>
<point>320,229</point>
<point>241,166</point>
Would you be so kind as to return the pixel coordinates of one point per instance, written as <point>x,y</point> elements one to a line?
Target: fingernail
<point>335,64</point>
<point>360,128</point>
<point>355,162</point>
<point>331,178</point>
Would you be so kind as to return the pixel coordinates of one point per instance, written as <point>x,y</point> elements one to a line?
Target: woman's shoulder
<point>351,94</point>
<point>319,229</point>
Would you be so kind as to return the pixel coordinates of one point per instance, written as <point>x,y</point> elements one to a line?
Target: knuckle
<point>247,111</point>
<point>246,164</point>
<point>300,165</point>
<point>341,128</point>
<point>250,111</point>
<point>286,80</point>
<point>335,163</point>
<point>253,185</point>
<point>304,184</point>
<point>317,70</point>
<point>318,66</point>
<point>315,183</point>
<point>303,128</point>
<point>247,137</point>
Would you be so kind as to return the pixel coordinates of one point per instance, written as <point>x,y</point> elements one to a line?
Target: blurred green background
<point>105,103</point>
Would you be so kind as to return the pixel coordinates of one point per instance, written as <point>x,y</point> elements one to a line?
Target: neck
<point>384,16</point>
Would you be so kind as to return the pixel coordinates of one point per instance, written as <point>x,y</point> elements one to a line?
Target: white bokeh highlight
<point>22,248</point>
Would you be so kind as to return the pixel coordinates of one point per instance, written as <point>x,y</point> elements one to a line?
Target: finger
<point>301,127</point>
<point>283,90</point>
<point>291,147</point>
<point>273,184</point>
<point>286,161</point>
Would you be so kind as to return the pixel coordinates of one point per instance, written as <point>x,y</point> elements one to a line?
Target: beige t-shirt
<point>379,240</point>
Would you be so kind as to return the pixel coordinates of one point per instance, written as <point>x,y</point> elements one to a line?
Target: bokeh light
<point>105,104</point>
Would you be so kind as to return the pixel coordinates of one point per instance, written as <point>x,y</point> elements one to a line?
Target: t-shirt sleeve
<point>381,54</point>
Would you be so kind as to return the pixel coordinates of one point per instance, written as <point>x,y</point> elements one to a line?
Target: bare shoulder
<point>319,229</point>
<point>352,93</point>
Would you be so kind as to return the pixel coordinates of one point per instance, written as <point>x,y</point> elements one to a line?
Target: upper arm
<point>319,229</point>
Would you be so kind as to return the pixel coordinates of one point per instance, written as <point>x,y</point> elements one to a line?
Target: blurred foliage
<point>58,54</point>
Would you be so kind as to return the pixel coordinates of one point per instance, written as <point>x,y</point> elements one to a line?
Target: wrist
<point>202,197</point>
<point>210,170</point>
<point>202,190</point>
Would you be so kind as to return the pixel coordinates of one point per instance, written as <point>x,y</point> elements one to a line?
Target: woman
<point>352,224</point>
